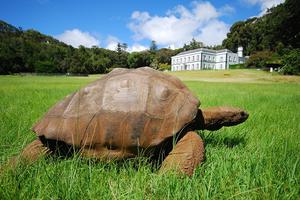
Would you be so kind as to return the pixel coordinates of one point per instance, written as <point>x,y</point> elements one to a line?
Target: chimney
<point>240,51</point>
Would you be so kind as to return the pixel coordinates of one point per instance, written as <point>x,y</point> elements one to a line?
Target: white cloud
<point>172,46</point>
<point>227,10</point>
<point>76,37</point>
<point>112,43</point>
<point>205,11</point>
<point>137,47</point>
<point>143,16</point>
<point>213,33</point>
<point>264,4</point>
<point>180,24</point>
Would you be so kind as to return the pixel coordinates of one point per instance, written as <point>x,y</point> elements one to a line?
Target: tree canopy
<point>32,51</point>
<point>277,29</point>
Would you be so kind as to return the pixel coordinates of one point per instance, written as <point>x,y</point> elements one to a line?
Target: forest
<point>270,40</point>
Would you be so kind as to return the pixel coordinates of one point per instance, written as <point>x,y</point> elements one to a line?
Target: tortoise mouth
<point>244,116</point>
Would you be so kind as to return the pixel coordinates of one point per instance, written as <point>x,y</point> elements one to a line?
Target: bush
<point>237,66</point>
<point>259,59</point>
<point>164,67</point>
<point>291,62</point>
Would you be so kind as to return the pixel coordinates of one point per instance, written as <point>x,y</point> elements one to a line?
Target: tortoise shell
<point>126,108</point>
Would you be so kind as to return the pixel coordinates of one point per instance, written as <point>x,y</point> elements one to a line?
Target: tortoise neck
<point>198,122</point>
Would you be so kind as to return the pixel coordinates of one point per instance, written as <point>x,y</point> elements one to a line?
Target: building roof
<point>203,49</point>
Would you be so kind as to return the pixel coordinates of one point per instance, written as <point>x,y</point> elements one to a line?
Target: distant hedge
<point>237,66</point>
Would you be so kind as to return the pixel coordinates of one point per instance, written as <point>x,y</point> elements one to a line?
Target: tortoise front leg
<point>29,154</point>
<point>187,154</point>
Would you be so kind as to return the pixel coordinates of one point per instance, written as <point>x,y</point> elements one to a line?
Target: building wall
<point>186,62</point>
<point>204,59</point>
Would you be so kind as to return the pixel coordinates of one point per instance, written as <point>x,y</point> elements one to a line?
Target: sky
<point>171,23</point>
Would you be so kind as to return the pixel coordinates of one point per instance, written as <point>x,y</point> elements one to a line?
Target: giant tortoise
<point>131,112</point>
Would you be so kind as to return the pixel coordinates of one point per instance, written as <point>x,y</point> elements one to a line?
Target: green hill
<point>271,40</point>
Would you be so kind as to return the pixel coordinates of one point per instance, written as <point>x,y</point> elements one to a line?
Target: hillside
<point>32,51</point>
<point>271,40</point>
<point>277,29</point>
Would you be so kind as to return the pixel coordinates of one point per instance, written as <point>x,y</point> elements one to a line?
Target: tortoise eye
<point>163,93</point>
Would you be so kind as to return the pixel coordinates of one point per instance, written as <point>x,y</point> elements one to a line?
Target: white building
<point>203,58</point>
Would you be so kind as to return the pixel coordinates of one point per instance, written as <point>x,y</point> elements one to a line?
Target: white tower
<point>240,51</point>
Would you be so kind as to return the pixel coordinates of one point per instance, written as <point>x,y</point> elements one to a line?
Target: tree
<point>194,44</point>
<point>32,51</point>
<point>154,63</point>
<point>164,55</point>
<point>279,26</point>
<point>44,67</point>
<point>259,59</point>
<point>291,62</point>
<point>153,46</point>
<point>124,46</point>
<point>139,59</point>
<point>122,55</point>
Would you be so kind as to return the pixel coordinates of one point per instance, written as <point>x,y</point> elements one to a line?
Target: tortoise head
<point>214,118</point>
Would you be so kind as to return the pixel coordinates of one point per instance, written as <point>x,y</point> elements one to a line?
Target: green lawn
<point>259,159</point>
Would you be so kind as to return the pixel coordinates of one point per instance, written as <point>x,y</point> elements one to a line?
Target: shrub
<point>291,62</point>
<point>164,67</point>
<point>259,59</point>
<point>237,66</point>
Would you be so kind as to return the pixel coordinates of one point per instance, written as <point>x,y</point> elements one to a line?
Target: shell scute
<point>123,110</point>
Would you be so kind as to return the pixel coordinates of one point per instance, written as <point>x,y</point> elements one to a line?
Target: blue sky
<point>171,23</point>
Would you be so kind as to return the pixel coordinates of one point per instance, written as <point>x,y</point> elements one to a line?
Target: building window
<point>221,59</point>
<point>204,57</point>
<point>193,58</point>
<point>192,66</point>
<point>197,57</point>
<point>184,59</point>
<point>189,59</point>
<point>197,66</point>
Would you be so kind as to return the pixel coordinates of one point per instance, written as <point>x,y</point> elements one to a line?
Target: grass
<point>259,159</point>
<point>237,75</point>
